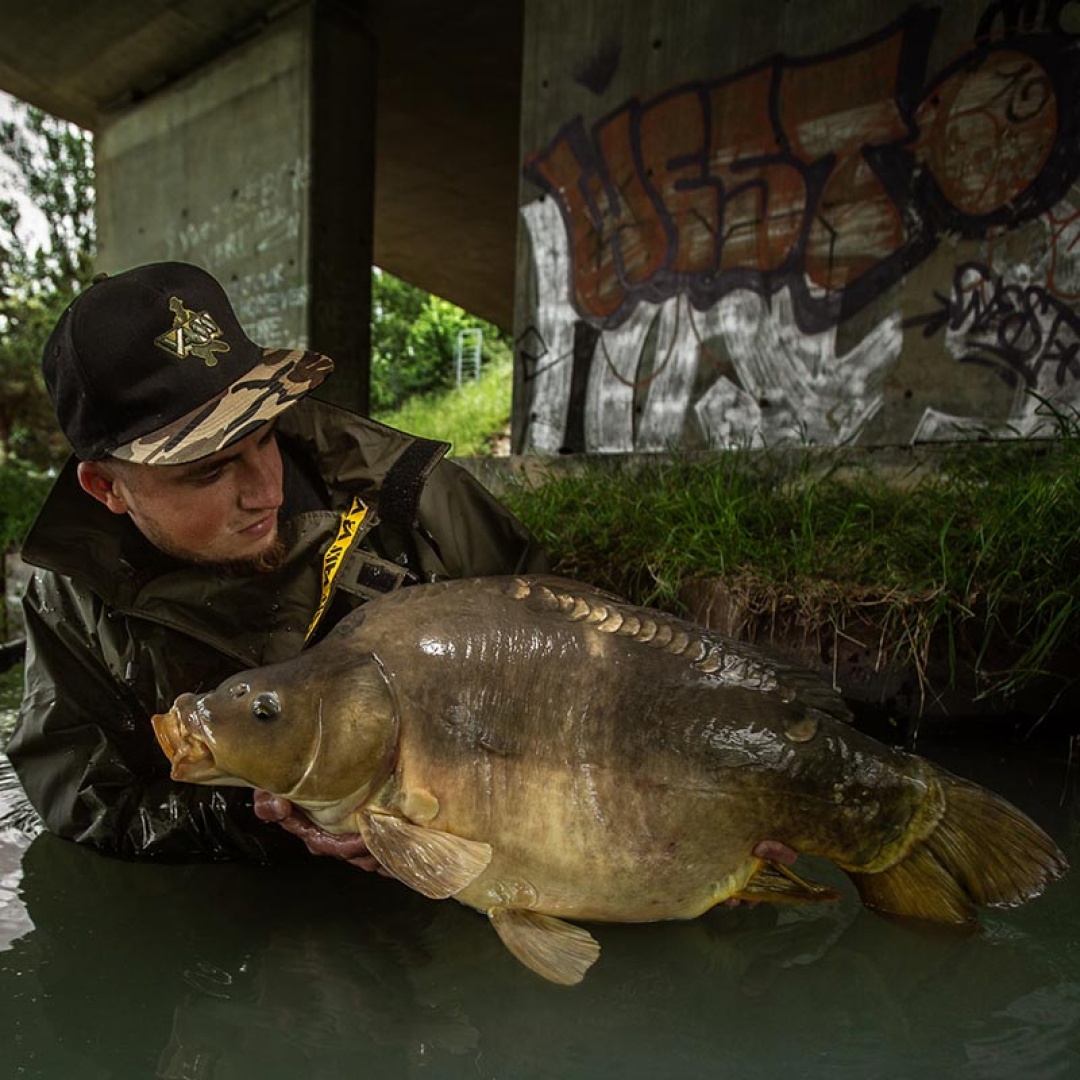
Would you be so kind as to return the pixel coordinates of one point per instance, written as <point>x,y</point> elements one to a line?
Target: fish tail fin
<point>982,851</point>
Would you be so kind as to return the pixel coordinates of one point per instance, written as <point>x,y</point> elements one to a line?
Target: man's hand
<point>771,851</point>
<point>349,847</point>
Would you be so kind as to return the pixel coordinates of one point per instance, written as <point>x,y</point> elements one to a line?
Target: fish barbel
<point>542,751</point>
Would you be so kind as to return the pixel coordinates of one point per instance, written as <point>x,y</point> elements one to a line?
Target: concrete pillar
<point>259,166</point>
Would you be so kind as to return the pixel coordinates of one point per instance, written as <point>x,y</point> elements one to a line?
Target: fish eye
<point>266,707</point>
<point>239,690</point>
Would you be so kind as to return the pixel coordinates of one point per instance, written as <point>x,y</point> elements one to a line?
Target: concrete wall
<point>259,167</point>
<point>766,222</point>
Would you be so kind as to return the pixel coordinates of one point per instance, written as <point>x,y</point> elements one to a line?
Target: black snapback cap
<point>152,366</point>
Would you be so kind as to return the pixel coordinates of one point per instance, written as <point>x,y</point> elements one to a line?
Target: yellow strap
<point>347,532</point>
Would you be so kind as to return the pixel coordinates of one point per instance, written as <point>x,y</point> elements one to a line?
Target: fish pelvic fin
<point>556,950</point>
<point>982,851</point>
<point>435,863</point>
<point>775,883</point>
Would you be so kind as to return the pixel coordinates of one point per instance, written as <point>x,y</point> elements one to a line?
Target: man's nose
<point>261,481</point>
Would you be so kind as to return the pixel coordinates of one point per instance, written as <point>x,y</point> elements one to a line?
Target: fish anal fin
<point>917,887</point>
<point>437,864</point>
<point>556,950</point>
<point>775,883</point>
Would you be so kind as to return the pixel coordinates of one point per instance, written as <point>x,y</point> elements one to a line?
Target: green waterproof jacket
<point>116,631</point>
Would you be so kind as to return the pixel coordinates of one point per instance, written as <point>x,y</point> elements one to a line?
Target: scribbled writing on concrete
<point>833,175</point>
<point>1025,333</point>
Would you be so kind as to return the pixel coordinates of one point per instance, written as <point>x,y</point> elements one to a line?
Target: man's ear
<point>100,482</point>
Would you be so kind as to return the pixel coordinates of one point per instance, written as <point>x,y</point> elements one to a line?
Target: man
<point>213,518</point>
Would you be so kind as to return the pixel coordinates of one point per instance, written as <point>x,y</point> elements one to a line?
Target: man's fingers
<point>271,807</point>
<point>776,851</point>
<point>351,848</point>
<point>318,842</point>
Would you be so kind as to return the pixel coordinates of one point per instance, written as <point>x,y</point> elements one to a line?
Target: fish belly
<point>578,843</point>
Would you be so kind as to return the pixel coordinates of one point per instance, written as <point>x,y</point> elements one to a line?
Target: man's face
<point>220,509</point>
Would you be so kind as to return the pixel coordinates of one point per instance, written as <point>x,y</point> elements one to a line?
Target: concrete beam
<point>449,86</point>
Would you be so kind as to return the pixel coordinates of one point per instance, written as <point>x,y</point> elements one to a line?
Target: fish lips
<point>189,753</point>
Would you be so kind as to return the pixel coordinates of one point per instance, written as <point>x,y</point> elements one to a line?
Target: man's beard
<point>269,561</point>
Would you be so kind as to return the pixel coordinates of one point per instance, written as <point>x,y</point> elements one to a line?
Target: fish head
<point>317,729</point>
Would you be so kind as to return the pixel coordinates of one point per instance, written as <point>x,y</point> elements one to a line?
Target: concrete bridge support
<point>259,165</point>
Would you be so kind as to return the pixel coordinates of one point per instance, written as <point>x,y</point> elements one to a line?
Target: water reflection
<point>210,972</point>
<point>19,824</point>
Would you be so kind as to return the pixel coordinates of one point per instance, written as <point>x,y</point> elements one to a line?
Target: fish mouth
<point>187,749</point>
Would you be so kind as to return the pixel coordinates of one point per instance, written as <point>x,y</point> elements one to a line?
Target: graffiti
<point>739,374</point>
<point>1020,16</point>
<point>1027,335</point>
<point>827,178</point>
<point>791,387</point>
<point>254,234</point>
<point>549,341</point>
<point>1063,224</point>
<point>730,262</point>
<point>598,71</point>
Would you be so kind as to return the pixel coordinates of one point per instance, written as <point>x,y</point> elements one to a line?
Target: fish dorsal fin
<point>556,950</point>
<point>437,864</point>
<point>778,884</point>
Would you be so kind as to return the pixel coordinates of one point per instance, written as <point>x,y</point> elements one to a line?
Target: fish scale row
<point>709,657</point>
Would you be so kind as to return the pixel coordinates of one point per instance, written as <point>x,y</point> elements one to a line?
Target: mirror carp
<point>542,751</point>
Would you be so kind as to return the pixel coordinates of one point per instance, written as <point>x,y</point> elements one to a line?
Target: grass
<point>978,559</point>
<point>470,417</point>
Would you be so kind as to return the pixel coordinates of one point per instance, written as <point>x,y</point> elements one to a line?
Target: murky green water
<point>125,970</point>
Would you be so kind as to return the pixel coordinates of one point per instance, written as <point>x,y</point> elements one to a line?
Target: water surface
<point>112,969</point>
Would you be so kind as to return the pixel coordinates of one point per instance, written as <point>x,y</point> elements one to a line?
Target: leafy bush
<point>22,491</point>
<point>472,419</point>
<point>52,168</point>
<point>414,341</point>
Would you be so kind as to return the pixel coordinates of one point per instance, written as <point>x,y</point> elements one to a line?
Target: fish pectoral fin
<point>437,864</point>
<point>779,884</point>
<point>556,950</point>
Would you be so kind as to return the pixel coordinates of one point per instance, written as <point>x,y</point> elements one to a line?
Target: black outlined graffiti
<point>831,176</point>
<point>1005,18</point>
<point>1025,333</point>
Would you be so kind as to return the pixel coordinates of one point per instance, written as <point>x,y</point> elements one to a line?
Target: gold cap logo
<point>192,334</point>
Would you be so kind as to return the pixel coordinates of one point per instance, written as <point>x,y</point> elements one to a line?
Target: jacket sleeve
<point>87,758</point>
<point>471,533</point>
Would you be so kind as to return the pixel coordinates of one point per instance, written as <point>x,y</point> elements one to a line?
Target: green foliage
<point>470,419</point>
<point>22,492</point>
<point>414,341</point>
<point>54,170</point>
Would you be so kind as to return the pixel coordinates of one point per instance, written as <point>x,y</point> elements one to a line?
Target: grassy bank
<point>975,562</point>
